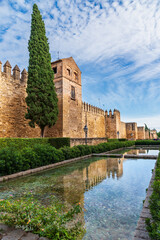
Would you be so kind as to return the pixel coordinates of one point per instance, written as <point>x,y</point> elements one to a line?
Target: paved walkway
<point>9,233</point>
<point>141,232</point>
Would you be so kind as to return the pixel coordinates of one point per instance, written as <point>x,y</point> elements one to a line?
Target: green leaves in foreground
<point>153,226</point>
<point>48,221</point>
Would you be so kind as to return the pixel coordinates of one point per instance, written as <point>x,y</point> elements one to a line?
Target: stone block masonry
<point>12,103</point>
<point>73,113</point>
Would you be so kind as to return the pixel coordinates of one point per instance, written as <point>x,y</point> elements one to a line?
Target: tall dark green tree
<point>42,107</point>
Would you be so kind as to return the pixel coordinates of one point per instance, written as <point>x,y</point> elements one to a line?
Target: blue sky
<point>115,43</point>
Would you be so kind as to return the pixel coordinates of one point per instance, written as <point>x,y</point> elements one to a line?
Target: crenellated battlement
<point>17,76</point>
<point>90,108</point>
<point>112,115</point>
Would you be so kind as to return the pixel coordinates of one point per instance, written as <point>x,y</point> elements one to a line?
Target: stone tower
<point>67,79</point>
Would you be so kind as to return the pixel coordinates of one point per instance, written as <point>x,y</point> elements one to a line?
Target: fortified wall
<point>73,113</point>
<point>94,118</point>
<point>12,103</point>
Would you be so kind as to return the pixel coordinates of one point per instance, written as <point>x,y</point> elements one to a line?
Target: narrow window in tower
<point>68,71</point>
<point>73,95</point>
<point>54,70</point>
<point>76,76</point>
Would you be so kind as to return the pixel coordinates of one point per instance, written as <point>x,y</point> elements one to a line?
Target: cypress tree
<point>42,107</point>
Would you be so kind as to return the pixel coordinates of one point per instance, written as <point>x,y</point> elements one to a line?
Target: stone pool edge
<point>141,233</point>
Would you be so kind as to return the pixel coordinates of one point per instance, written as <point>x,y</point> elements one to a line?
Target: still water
<point>138,151</point>
<point>110,190</point>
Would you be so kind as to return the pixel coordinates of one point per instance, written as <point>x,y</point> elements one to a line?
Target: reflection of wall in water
<point>136,151</point>
<point>142,151</point>
<point>95,173</point>
<point>73,185</point>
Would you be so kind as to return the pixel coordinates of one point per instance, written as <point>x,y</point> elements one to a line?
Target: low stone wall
<point>90,141</point>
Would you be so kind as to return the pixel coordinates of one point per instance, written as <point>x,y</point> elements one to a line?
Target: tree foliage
<point>42,107</point>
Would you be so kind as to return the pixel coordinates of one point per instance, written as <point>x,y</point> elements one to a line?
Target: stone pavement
<point>10,233</point>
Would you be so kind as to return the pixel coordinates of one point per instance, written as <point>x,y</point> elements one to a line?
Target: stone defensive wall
<point>141,132</point>
<point>73,113</point>
<point>12,103</point>
<point>94,118</point>
<point>114,127</point>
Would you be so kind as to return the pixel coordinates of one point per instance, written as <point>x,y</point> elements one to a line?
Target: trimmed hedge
<point>14,160</point>
<point>147,142</point>
<point>153,226</point>
<point>20,143</point>
<point>112,139</point>
<point>59,142</point>
<point>122,139</point>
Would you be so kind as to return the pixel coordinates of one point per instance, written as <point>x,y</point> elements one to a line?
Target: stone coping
<point>141,232</point>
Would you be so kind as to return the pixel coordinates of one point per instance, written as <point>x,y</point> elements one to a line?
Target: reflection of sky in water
<point>110,190</point>
<point>113,207</point>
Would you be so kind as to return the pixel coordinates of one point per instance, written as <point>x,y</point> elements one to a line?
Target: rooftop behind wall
<point>89,108</point>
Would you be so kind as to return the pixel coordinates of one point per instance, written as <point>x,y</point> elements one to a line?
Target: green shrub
<point>14,160</point>
<point>59,142</point>
<point>112,140</point>
<point>84,149</point>
<point>48,221</point>
<point>147,142</point>
<point>153,226</point>
<point>122,139</point>
<point>20,143</point>
<point>71,152</point>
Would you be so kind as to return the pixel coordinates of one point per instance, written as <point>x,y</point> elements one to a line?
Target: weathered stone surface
<point>30,236</point>
<point>43,238</point>
<point>142,234</point>
<point>5,228</point>
<point>14,235</point>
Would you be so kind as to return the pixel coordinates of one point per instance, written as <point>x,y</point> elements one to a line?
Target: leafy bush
<point>13,160</point>
<point>147,142</point>
<point>59,142</point>
<point>112,140</point>
<point>153,226</point>
<point>20,143</point>
<point>48,221</point>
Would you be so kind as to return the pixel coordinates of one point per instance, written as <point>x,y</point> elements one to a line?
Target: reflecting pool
<point>110,191</point>
<point>141,151</point>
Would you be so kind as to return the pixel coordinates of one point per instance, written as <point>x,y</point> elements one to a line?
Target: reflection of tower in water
<point>114,167</point>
